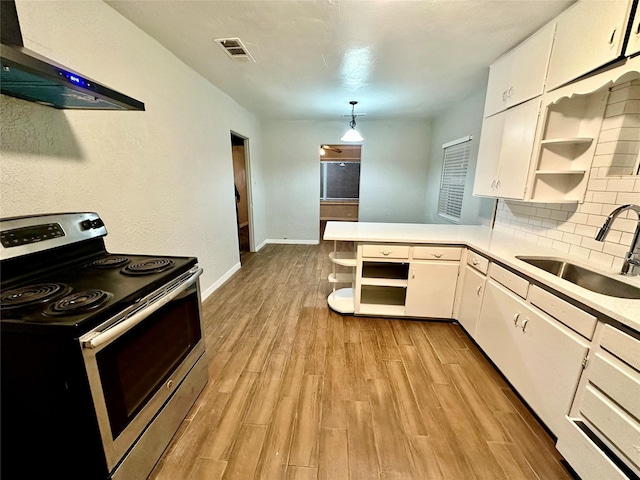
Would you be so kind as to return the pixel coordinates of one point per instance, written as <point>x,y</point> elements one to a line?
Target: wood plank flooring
<point>298,392</point>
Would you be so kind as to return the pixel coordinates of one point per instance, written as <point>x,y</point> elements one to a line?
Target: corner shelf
<point>566,150</point>
<point>567,141</point>
<point>342,300</point>
<point>341,278</point>
<point>560,172</point>
<point>346,259</point>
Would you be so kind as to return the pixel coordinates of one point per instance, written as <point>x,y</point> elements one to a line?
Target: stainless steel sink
<point>583,277</point>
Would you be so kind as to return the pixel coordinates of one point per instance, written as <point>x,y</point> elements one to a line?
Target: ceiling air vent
<point>235,49</point>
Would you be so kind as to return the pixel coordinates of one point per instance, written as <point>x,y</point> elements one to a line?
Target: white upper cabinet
<point>504,155</point>
<point>588,35</point>
<point>633,44</point>
<point>519,75</point>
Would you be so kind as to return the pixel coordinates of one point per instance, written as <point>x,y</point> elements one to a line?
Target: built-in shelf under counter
<point>499,247</point>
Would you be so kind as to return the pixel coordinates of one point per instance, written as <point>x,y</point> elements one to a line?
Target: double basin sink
<point>583,277</point>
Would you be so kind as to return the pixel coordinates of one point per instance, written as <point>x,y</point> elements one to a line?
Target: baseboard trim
<point>220,281</point>
<point>259,247</point>
<point>292,241</point>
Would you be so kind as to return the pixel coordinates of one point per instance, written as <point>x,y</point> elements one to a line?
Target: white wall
<point>392,182</point>
<point>464,118</point>
<point>162,179</point>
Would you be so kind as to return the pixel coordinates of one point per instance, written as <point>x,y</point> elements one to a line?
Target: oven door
<point>137,360</point>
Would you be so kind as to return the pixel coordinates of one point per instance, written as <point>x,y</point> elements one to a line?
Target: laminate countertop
<point>502,248</point>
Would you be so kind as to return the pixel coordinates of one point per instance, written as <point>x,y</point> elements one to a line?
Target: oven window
<point>134,366</point>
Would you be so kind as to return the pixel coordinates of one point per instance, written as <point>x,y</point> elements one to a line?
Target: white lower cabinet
<point>606,410</point>
<point>471,300</point>
<point>539,356</point>
<point>431,289</point>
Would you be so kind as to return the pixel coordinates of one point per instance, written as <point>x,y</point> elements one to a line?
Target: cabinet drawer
<point>619,382</point>
<point>437,253</point>
<point>385,251</point>
<point>584,456</point>
<point>477,261</point>
<point>621,429</point>
<point>513,282</point>
<point>623,346</point>
<point>574,318</point>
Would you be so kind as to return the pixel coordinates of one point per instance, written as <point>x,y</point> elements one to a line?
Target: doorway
<point>339,183</point>
<point>240,161</point>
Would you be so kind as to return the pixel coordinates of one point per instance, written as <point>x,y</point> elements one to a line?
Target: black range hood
<point>29,76</point>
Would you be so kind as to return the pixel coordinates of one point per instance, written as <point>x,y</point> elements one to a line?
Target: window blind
<point>454,175</point>
<point>339,180</point>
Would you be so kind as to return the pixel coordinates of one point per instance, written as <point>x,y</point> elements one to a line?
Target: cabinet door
<point>633,44</point>
<point>515,152</point>
<point>529,69</point>
<point>519,75</point>
<point>588,35</point>
<point>431,289</point>
<point>541,358</point>
<point>470,300</point>
<point>489,156</point>
<point>499,84</point>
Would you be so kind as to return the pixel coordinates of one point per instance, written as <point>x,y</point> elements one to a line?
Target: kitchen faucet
<point>631,265</point>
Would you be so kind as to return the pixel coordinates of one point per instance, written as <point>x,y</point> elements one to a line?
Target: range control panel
<point>26,235</point>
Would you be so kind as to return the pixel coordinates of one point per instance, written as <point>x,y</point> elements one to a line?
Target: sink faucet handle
<point>629,267</point>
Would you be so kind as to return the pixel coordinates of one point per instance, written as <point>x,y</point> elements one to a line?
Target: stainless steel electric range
<point>102,355</point>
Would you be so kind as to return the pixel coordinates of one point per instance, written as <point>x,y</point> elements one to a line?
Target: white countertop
<point>501,247</point>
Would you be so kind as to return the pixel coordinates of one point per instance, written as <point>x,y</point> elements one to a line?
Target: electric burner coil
<point>146,267</point>
<point>109,262</point>
<point>79,302</point>
<point>33,295</point>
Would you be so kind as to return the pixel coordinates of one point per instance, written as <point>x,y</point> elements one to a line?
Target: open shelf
<point>567,141</point>
<point>396,271</point>
<point>559,187</point>
<point>347,259</point>
<point>565,155</point>
<point>342,300</point>
<point>341,277</point>
<point>382,295</point>
<point>560,172</point>
<point>382,310</point>
<point>384,282</point>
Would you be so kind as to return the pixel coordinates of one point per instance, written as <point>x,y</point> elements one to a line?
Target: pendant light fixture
<point>352,134</point>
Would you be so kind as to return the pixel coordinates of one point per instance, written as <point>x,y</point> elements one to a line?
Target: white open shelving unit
<point>570,134</point>
<point>383,287</point>
<point>342,299</point>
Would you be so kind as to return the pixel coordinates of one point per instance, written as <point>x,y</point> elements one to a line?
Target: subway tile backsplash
<point>571,228</point>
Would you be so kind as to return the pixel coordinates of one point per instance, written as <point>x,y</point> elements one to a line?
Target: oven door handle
<point>118,329</point>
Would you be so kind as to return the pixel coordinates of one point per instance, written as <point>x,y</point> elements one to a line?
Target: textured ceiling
<point>398,59</point>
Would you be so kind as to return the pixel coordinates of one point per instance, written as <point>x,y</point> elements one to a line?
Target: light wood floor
<point>297,391</point>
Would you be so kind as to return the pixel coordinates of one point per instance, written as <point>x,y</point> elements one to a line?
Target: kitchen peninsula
<point>528,321</point>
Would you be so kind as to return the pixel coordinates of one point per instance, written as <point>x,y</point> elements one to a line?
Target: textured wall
<point>571,228</point>
<point>161,179</point>
<point>462,119</point>
<point>392,179</point>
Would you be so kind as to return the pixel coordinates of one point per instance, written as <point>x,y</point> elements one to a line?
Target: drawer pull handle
<point>475,262</point>
<point>437,255</point>
<point>613,36</point>
<point>385,252</point>
<point>524,325</point>
<point>478,290</point>
<point>515,319</point>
